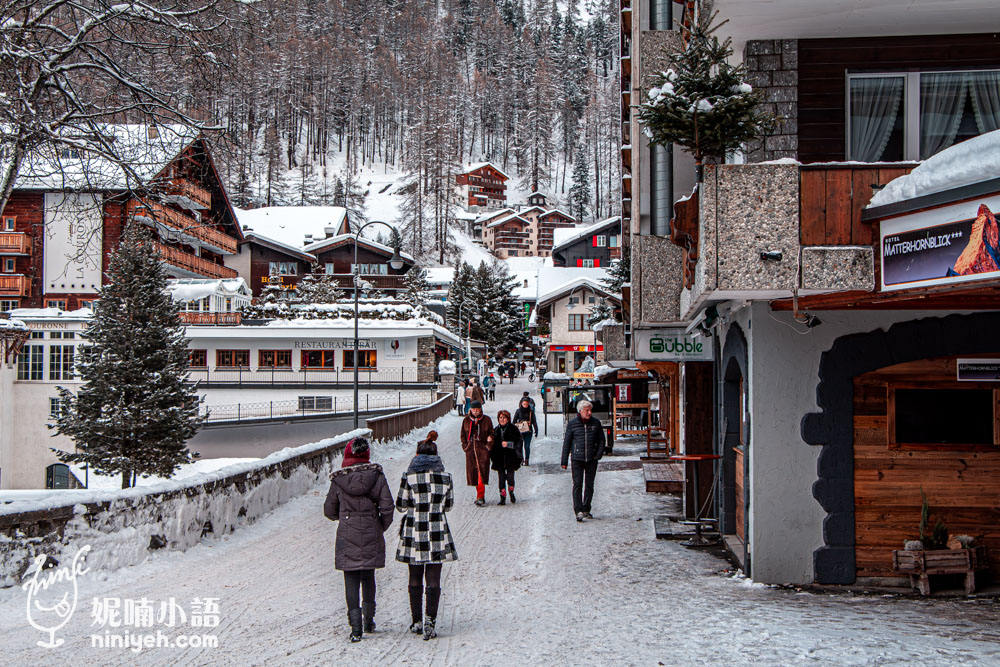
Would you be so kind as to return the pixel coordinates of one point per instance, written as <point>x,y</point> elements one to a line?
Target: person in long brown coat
<point>477,441</point>
<point>360,500</point>
<point>477,392</point>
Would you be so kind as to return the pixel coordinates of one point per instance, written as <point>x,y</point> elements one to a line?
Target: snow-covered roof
<point>327,328</point>
<point>529,209</point>
<point>58,167</point>
<point>553,211</point>
<point>567,235</point>
<point>83,314</point>
<point>440,275</point>
<point>278,245</point>
<point>192,289</point>
<point>576,283</point>
<point>290,224</point>
<point>508,218</point>
<point>13,325</point>
<point>479,165</point>
<point>489,215</point>
<point>972,161</point>
<point>314,248</point>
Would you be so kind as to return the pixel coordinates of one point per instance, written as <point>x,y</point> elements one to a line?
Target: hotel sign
<point>978,370</point>
<point>943,246</point>
<point>670,345</point>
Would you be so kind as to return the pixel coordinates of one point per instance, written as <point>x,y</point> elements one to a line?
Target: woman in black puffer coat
<point>506,455</point>
<point>360,500</point>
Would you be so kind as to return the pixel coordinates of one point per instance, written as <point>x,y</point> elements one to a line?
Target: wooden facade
<point>824,63</point>
<point>484,186</point>
<point>962,483</point>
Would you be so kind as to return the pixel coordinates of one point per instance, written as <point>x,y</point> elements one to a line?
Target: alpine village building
<point>847,361</point>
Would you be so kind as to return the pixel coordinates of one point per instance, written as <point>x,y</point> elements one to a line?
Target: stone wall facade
<point>426,362</point>
<point>773,69</point>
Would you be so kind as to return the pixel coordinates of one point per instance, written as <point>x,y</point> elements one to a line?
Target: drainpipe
<point>661,181</point>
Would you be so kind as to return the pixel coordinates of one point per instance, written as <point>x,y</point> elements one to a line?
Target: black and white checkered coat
<point>424,537</point>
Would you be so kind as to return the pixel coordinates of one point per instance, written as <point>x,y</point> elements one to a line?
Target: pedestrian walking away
<point>477,392</point>
<point>523,366</point>
<point>487,383</point>
<point>584,443</point>
<point>491,393</point>
<point>425,542</point>
<point>527,425</point>
<point>477,440</point>
<point>506,455</point>
<point>360,500</point>
<point>469,393</point>
<point>510,373</point>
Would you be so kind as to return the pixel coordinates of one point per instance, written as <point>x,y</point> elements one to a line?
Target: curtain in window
<point>942,101</point>
<point>875,101</point>
<point>985,89</point>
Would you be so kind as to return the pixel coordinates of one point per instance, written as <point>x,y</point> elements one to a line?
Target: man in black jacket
<point>584,444</point>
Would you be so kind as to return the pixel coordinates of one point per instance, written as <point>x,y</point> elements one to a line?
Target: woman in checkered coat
<point>425,495</point>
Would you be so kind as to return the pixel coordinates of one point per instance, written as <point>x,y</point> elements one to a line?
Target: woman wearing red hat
<point>360,500</point>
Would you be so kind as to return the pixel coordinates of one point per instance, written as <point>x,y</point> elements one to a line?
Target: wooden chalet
<point>336,255</point>
<point>482,185</point>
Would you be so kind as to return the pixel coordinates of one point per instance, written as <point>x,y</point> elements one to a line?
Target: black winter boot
<point>433,596</point>
<point>368,611</point>
<point>503,498</point>
<point>354,616</point>
<point>416,602</point>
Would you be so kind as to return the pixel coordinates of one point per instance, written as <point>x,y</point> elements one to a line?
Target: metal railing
<point>245,375</point>
<point>390,400</point>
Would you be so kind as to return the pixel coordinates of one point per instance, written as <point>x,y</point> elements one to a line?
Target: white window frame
<point>9,265</point>
<point>9,221</point>
<point>602,241</point>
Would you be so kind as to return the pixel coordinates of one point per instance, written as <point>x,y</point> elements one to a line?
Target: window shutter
<point>593,241</point>
<point>597,262</point>
<point>579,263</point>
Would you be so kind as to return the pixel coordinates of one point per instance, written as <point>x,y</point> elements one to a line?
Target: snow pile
<point>13,325</point>
<point>195,289</point>
<point>97,482</point>
<point>552,375</point>
<point>446,367</point>
<point>610,322</point>
<point>370,309</point>
<point>972,161</point>
<point>118,525</point>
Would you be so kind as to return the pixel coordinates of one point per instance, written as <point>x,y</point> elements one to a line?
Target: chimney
<point>309,239</point>
<point>246,228</point>
<point>152,132</point>
<point>330,232</point>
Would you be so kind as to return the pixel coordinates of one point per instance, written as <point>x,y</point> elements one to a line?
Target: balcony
<point>188,194</point>
<point>192,263</point>
<point>15,285</point>
<point>15,243</point>
<point>379,281</point>
<point>189,227</point>
<point>210,319</point>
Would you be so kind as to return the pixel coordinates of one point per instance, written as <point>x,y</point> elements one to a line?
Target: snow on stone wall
<point>122,527</point>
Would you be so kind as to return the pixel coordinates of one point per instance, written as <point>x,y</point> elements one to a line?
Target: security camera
<point>770,255</point>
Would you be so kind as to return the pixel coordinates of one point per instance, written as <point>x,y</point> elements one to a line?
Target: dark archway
<point>733,374</point>
<point>832,428</point>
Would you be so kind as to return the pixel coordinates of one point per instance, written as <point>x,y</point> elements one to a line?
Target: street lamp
<point>396,262</point>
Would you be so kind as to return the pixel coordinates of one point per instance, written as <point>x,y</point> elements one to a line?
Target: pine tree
<point>620,272</point>
<point>136,408</point>
<point>415,295</point>
<point>318,286</point>
<point>702,102</point>
<point>579,194</point>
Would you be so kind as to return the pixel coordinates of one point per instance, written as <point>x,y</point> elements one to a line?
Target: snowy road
<point>531,585</point>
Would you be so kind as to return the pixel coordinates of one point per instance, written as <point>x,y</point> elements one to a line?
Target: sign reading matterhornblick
<point>954,244</point>
<point>670,345</point>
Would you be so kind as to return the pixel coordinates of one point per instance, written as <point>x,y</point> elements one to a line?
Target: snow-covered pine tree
<point>417,288</point>
<point>502,318</point>
<point>136,409</point>
<point>702,102</point>
<point>620,272</point>
<point>318,286</point>
<point>579,193</point>
<point>600,312</point>
<point>462,304</point>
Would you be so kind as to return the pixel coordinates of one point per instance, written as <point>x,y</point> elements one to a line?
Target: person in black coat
<point>506,455</point>
<point>527,424</point>
<point>584,443</point>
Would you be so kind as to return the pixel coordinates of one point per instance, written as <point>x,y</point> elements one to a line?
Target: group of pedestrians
<point>360,500</point>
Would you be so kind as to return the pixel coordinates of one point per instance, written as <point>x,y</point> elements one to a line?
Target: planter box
<point>921,564</point>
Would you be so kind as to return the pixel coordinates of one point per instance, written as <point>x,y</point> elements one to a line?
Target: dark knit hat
<point>477,404</point>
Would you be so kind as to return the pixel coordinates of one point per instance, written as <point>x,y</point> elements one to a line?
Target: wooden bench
<point>663,477</point>
<point>921,565</point>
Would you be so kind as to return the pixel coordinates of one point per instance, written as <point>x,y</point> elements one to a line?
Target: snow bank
<point>118,525</point>
<point>969,162</point>
<point>446,367</point>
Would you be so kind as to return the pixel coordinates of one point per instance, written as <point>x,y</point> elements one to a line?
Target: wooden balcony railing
<point>15,285</point>
<point>198,196</point>
<point>17,243</point>
<point>190,262</point>
<point>183,223</point>
<point>218,319</point>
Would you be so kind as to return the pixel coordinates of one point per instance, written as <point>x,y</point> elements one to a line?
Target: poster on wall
<point>73,243</point>
<point>941,246</point>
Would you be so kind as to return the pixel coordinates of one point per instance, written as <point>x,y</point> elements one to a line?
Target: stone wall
<point>612,337</point>
<point>657,277</point>
<point>773,69</point>
<point>426,361</point>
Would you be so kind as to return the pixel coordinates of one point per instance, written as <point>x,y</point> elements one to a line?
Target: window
<point>61,362</point>
<point>64,335</point>
<point>613,241</point>
<point>8,265</point>
<point>315,403</point>
<point>942,416</point>
<point>576,323</point>
<point>7,305</point>
<point>329,269</point>
<point>57,476</point>
<point>366,357</point>
<point>87,303</point>
<point>282,268</point>
<point>57,407</point>
<point>31,361</point>
<point>600,241</point>
<point>232,358</point>
<point>56,303</point>
<point>913,115</point>
<point>585,263</point>
<point>197,359</point>
<point>274,358</point>
<point>318,359</point>
<point>9,222</point>
<point>372,269</point>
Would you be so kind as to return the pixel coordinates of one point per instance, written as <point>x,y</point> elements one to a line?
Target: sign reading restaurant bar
<point>670,345</point>
<point>954,244</point>
<point>334,344</point>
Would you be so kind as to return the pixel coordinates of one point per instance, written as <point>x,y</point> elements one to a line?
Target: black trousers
<point>583,485</point>
<point>505,475</point>
<point>359,584</point>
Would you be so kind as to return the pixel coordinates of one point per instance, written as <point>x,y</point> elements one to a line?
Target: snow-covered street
<point>531,585</point>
